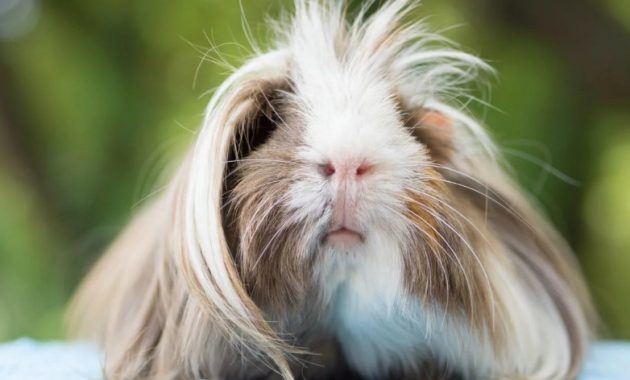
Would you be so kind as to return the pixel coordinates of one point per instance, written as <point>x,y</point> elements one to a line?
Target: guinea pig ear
<point>234,123</point>
<point>435,130</point>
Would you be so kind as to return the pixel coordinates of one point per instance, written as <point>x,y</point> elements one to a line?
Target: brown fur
<point>443,263</point>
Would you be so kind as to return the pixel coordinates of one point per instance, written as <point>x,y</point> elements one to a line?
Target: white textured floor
<point>25,359</point>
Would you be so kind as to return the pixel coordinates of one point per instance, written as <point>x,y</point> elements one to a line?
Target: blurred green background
<point>96,97</point>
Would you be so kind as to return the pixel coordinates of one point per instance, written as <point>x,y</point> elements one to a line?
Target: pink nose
<point>344,176</point>
<point>347,170</point>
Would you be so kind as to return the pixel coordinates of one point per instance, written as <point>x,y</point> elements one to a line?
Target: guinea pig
<point>339,216</point>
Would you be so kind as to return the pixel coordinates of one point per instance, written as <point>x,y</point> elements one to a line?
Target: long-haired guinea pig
<point>337,218</point>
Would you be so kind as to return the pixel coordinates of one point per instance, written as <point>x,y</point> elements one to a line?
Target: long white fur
<point>204,249</point>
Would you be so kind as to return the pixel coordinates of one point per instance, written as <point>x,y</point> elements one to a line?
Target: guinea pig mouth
<point>344,236</point>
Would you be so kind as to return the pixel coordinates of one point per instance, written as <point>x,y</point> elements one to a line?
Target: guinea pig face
<point>320,181</point>
<point>358,160</point>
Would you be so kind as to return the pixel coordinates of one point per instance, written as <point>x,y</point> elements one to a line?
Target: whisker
<point>269,208</point>
<point>260,160</point>
<point>544,165</point>
<point>454,255</point>
<point>480,264</point>
<point>465,241</point>
<point>264,250</point>
<point>428,285</point>
<point>438,257</point>
<point>509,210</point>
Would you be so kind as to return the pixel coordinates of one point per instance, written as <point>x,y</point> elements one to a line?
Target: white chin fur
<point>380,327</point>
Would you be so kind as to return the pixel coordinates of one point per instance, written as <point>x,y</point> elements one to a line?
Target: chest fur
<point>380,326</point>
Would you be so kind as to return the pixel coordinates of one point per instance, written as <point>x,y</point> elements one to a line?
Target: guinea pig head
<point>323,175</point>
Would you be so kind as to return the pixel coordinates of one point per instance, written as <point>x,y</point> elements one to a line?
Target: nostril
<point>327,169</point>
<point>363,169</point>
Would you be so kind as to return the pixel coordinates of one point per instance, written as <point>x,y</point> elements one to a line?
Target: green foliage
<point>100,96</point>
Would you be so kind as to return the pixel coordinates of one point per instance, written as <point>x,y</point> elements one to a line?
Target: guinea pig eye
<point>260,111</point>
<point>262,119</point>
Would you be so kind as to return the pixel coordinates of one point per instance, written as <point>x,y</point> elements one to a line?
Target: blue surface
<point>25,359</point>
<point>608,361</point>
